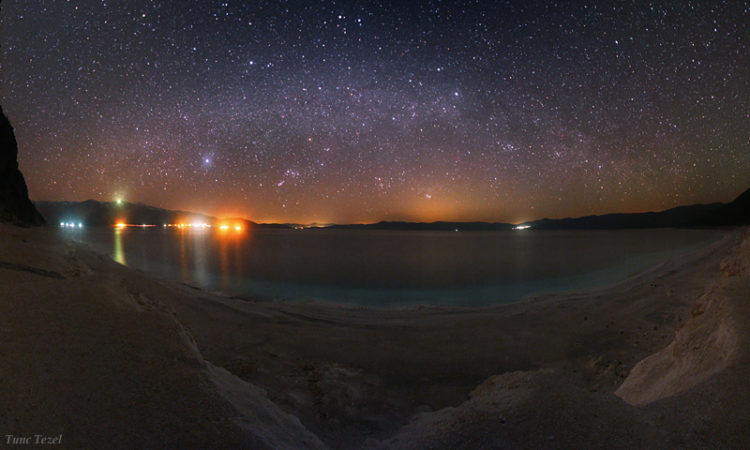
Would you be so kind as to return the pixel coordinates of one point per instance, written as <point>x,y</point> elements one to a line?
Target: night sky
<point>335,112</point>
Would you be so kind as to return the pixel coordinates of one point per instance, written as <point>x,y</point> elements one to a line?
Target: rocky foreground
<point>105,356</point>
<point>15,206</point>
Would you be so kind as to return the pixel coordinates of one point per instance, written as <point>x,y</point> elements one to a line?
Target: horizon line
<point>315,224</point>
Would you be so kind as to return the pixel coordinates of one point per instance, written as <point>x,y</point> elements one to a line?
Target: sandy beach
<point>107,356</point>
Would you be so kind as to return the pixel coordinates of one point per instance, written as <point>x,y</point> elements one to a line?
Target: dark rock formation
<point>735,213</point>
<point>15,205</point>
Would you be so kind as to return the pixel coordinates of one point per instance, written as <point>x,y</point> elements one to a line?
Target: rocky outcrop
<point>15,205</point>
<point>704,347</point>
<point>713,339</point>
<point>735,213</point>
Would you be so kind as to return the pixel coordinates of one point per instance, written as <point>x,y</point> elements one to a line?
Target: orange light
<point>120,225</point>
<point>224,227</point>
<point>237,228</point>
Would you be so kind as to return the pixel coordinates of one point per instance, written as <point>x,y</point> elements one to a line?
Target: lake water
<point>392,268</point>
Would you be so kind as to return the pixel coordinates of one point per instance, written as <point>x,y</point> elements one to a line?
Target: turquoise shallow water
<point>393,268</point>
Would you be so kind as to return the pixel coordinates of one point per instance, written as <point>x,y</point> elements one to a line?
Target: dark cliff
<point>15,206</point>
<point>735,213</point>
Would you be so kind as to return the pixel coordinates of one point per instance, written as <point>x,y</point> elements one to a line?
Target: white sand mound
<point>704,346</point>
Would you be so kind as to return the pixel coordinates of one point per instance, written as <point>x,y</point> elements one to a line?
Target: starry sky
<point>343,111</point>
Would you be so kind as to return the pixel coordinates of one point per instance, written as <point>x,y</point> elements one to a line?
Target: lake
<point>391,268</point>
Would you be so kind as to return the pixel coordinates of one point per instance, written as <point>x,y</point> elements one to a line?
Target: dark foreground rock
<point>15,205</point>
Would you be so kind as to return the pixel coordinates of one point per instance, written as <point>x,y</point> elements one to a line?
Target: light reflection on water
<point>200,257</point>
<point>391,267</point>
<point>118,255</point>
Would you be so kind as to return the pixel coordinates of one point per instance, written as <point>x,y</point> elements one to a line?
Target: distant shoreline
<point>95,213</point>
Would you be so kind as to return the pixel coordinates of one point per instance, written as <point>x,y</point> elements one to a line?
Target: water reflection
<point>118,255</point>
<point>200,256</point>
<point>237,248</point>
<point>224,263</point>
<point>390,267</point>
<point>210,259</point>
<point>183,256</point>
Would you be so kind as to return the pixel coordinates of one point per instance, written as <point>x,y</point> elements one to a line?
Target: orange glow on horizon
<point>238,227</point>
<point>122,225</point>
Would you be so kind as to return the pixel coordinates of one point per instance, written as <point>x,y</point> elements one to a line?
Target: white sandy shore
<point>111,357</point>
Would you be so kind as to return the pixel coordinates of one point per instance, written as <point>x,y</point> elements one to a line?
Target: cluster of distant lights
<point>222,227</point>
<point>198,225</point>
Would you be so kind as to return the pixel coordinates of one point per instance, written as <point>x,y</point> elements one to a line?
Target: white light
<point>62,224</point>
<point>80,225</point>
<point>522,227</point>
